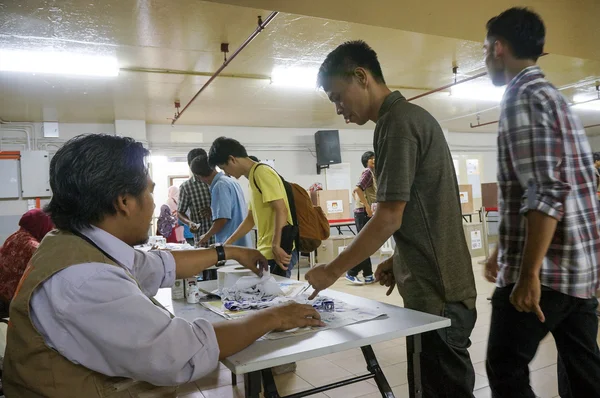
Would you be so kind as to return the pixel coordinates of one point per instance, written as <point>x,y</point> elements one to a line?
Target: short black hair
<point>366,156</point>
<point>193,154</point>
<point>523,29</point>
<point>596,156</point>
<point>201,167</point>
<point>345,59</point>
<point>222,148</point>
<point>254,158</point>
<point>89,173</point>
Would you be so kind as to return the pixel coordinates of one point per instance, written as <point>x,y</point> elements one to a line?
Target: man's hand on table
<point>294,315</point>
<point>385,275</point>
<point>249,258</point>
<point>320,278</point>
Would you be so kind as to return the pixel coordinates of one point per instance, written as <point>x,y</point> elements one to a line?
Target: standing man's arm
<point>536,148</point>
<point>397,156</point>
<point>221,205</point>
<point>215,228</point>
<point>244,228</point>
<point>281,219</point>
<point>366,181</point>
<point>184,205</point>
<point>361,195</point>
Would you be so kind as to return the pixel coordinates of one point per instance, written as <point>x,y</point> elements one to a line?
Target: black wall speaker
<point>327,143</point>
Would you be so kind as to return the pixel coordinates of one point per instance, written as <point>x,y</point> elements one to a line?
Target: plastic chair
<point>387,249</point>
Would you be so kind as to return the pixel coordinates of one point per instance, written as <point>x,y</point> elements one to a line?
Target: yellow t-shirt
<point>263,214</point>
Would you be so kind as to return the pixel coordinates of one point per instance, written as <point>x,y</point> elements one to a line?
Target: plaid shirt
<point>195,196</point>
<point>364,182</point>
<point>545,164</point>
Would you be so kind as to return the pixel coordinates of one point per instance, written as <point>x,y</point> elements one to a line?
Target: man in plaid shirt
<point>194,196</point>
<point>547,264</point>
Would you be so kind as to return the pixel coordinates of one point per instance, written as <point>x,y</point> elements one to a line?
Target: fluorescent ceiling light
<point>478,92</point>
<point>60,63</point>
<point>299,77</point>
<point>591,102</point>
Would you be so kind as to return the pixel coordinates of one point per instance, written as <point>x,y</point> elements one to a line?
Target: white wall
<point>292,150</point>
<point>595,143</point>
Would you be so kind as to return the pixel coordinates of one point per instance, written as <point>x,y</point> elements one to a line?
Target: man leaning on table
<point>83,321</point>
<point>417,203</point>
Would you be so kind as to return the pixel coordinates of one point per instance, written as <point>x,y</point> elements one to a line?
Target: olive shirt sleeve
<point>397,154</point>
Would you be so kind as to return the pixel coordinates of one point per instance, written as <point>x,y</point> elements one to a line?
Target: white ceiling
<point>186,36</point>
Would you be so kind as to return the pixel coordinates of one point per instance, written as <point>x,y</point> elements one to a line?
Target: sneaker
<point>353,279</point>
<point>369,279</point>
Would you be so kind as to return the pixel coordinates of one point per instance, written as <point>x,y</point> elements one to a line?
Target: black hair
<point>345,59</point>
<point>89,173</point>
<point>194,153</point>
<point>596,156</point>
<point>366,156</point>
<point>222,148</point>
<point>201,167</point>
<point>522,28</point>
<point>254,158</point>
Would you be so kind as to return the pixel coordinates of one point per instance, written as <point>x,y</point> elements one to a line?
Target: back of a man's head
<point>89,173</point>
<point>522,29</point>
<point>596,156</point>
<point>222,148</point>
<point>348,56</point>
<point>201,167</point>
<point>194,153</point>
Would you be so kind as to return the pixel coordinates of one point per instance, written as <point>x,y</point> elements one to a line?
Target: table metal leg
<point>416,358</point>
<point>270,389</point>
<point>374,368</point>
<point>339,230</point>
<point>252,384</point>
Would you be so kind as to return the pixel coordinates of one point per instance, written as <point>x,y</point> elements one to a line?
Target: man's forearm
<point>242,230</point>
<point>280,222</point>
<point>192,262</point>
<point>216,227</point>
<point>540,231</point>
<point>384,223</point>
<point>184,219</point>
<point>253,326</point>
<point>361,195</point>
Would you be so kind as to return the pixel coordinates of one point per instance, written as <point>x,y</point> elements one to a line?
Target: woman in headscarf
<point>168,225</point>
<point>18,249</point>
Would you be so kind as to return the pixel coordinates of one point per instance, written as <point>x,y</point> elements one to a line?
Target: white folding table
<point>256,361</point>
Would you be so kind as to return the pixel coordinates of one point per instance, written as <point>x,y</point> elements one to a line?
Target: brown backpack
<point>312,224</point>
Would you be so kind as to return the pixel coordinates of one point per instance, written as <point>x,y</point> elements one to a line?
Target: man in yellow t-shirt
<point>268,208</point>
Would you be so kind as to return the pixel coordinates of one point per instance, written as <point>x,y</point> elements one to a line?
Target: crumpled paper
<point>251,292</point>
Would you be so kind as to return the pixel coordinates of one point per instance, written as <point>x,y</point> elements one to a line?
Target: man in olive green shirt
<point>418,203</point>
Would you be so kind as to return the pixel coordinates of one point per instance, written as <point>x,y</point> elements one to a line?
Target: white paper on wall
<point>476,240</point>
<point>335,206</point>
<point>475,181</point>
<point>337,176</point>
<point>472,166</point>
<point>464,197</point>
<point>270,162</point>
<point>456,167</point>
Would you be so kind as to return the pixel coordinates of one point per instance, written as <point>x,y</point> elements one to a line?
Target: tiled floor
<point>391,356</point>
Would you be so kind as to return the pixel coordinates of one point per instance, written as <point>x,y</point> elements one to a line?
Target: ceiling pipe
<point>447,86</point>
<point>261,26</point>
<point>20,130</point>
<point>591,125</point>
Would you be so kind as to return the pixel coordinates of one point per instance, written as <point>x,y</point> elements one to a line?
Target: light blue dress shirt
<point>94,314</point>
<point>227,201</point>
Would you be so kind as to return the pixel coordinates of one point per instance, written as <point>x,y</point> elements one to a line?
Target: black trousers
<point>361,219</point>
<point>515,337</point>
<point>446,367</point>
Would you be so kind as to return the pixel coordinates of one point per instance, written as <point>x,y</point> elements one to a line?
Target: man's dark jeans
<point>446,367</point>
<point>360,219</point>
<point>515,337</point>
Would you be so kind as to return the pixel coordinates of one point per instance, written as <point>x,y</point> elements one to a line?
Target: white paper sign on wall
<point>476,240</point>
<point>464,197</point>
<point>335,206</point>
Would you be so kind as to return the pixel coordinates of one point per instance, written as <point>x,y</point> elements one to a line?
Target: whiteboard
<point>337,176</point>
<point>9,179</point>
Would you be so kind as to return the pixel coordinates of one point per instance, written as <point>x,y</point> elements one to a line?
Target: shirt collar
<point>112,245</point>
<point>217,178</point>
<point>389,100</point>
<point>526,73</point>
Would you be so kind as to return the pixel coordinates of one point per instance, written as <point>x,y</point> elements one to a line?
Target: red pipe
<point>468,79</point>
<point>591,125</point>
<point>259,28</point>
<point>474,126</point>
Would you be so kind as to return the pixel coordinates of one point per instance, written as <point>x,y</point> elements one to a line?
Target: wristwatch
<point>220,253</point>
